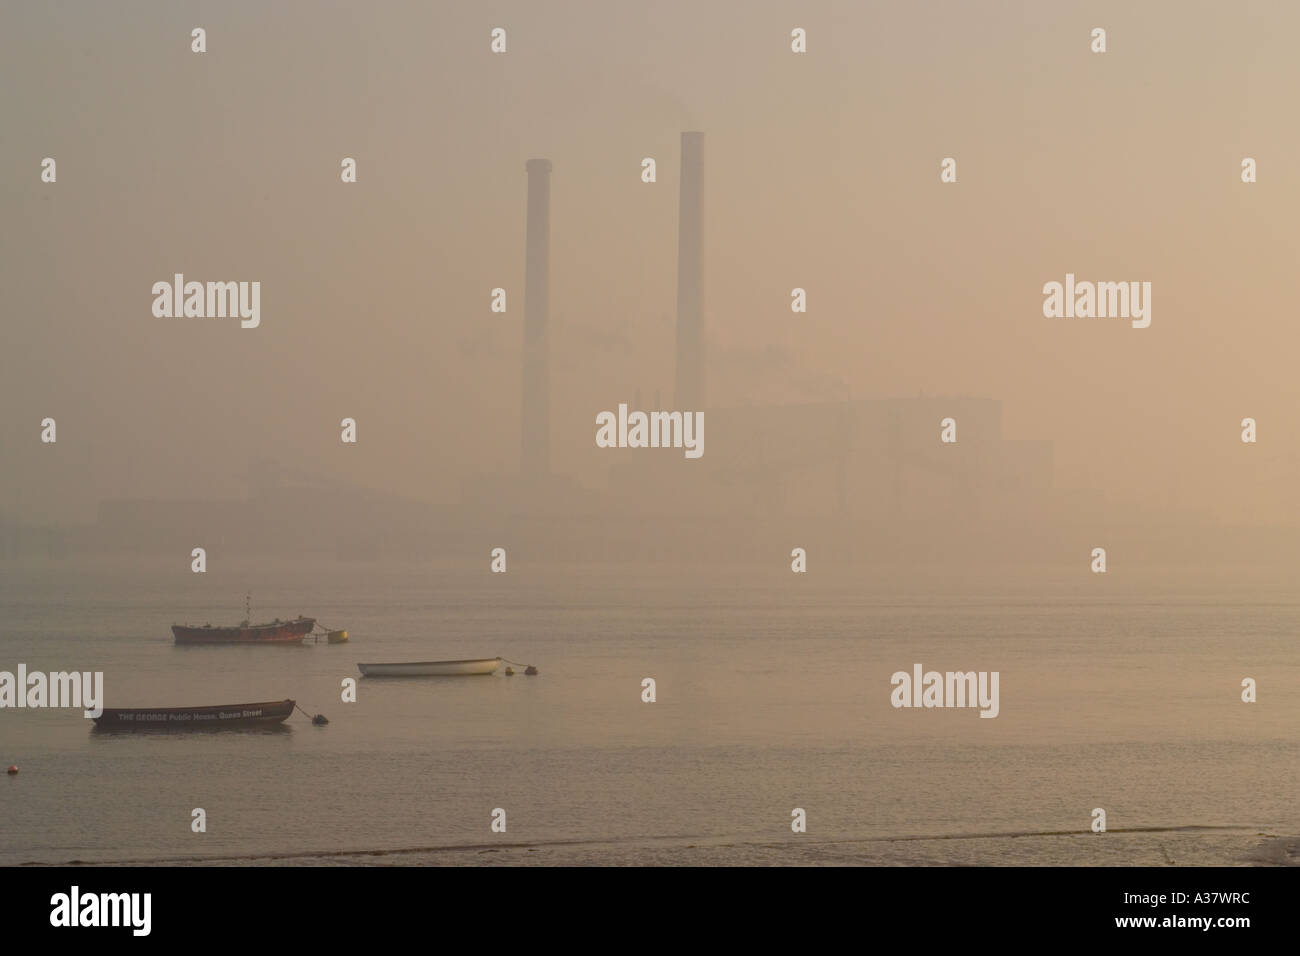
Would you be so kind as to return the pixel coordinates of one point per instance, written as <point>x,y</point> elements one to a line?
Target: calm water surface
<point>1121,692</point>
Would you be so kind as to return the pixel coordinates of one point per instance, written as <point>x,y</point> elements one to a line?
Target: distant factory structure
<point>535,414</point>
<point>852,464</point>
<point>879,460</point>
<point>861,478</point>
<point>689,393</point>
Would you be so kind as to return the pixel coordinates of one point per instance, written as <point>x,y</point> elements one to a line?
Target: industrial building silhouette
<point>861,479</point>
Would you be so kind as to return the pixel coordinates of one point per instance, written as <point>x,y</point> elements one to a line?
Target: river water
<point>772,693</point>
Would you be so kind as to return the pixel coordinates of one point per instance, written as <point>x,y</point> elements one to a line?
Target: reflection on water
<point>771,694</point>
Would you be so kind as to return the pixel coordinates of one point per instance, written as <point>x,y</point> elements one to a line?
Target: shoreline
<point>1196,845</point>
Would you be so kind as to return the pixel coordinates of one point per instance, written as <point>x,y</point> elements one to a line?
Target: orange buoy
<point>510,672</point>
<point>13,769</point>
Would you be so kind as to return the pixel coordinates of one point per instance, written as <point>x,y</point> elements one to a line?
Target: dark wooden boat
<point>195,718</point>
<point>277,632</point>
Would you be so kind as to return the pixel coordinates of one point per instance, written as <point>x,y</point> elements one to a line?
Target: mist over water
<point>821,172</point>
<point>773,693</point>
<point>477,429</point>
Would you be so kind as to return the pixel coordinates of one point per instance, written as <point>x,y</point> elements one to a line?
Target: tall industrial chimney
<point>690,279</point>
<point>537,367</point>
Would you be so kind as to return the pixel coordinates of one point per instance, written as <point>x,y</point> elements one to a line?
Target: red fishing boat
<point>276,632</point>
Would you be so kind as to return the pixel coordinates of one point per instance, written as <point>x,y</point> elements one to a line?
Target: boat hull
<point>217,717</point>
<point>479,666</point>
<point>278,632</point>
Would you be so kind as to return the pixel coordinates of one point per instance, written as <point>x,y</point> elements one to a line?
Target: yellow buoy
<point>338,637</point>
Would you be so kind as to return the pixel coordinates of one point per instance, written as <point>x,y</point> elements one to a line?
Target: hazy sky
<point>822,171</point>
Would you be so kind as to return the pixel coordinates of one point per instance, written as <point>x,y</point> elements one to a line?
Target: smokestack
<point>537,368</point>
<point>690,284</point>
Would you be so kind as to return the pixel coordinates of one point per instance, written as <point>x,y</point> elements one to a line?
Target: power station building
<point>857,477</point>
<point>877,462</point>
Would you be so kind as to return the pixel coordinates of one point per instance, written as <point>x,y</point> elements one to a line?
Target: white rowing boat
<point>485,665</point>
